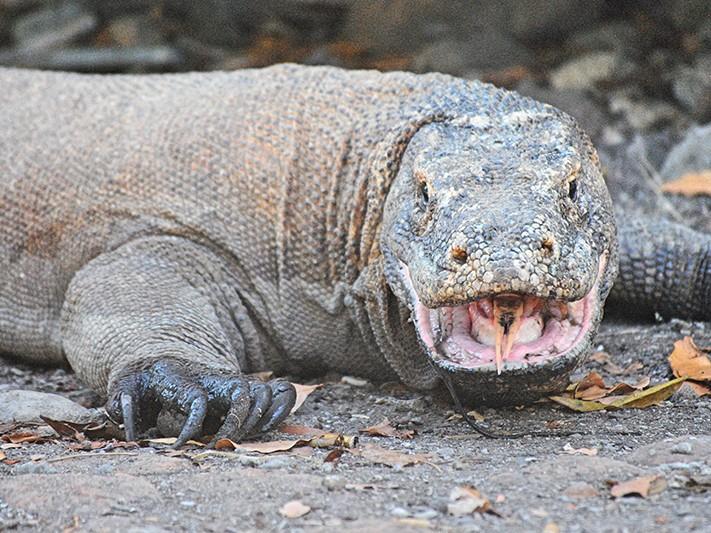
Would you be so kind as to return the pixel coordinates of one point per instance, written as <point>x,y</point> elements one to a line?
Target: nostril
<point>459,254</point>
<point>548,243</point>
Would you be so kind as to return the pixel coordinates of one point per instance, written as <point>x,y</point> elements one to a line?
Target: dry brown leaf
<point>384,429</point>
<point>698,389</point>
<point>551,527</point>
<point>302,392</point>
<point>383,456</point>
<point>294,509</point>
<point>324,440</point>
<point>687,360</point>
<point>334,455</point>
<point>25,437</point>
<point>690,184</point>
<point>568,448</point>
<point>2,456</point>
<point>466,500</point>
<point>640,486</point>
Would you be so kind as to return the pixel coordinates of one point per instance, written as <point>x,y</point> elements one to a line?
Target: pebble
<point>683,448</point>
<point>400,512</point>
<point>274,463</point>
<point>34,468</point>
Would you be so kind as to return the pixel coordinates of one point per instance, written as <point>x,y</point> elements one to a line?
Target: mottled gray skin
<point>166,234</point>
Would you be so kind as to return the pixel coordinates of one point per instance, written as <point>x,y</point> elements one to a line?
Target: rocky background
<point>635,73</point>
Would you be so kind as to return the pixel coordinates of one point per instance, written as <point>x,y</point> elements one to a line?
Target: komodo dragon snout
<point>500,239</point>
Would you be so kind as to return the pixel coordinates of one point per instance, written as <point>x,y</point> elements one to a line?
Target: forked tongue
<point>508,310</point>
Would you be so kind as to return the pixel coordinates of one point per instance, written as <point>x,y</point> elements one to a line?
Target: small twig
<point>83,455</point>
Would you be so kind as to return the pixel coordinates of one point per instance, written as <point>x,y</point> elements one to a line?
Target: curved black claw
<point>198,398</point>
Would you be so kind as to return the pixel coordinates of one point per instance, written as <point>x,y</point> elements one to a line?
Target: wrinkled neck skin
<point>498,251</point>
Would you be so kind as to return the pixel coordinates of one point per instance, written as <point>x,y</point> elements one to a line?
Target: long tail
<point>665,268</point>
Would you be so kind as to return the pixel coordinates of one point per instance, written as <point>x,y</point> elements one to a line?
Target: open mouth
<point>506,329</point>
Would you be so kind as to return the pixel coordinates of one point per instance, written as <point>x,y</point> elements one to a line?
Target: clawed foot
<point>209,400</point>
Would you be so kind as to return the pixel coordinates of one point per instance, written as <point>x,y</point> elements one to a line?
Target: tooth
<point>507,320</point>
<point>437,336</point>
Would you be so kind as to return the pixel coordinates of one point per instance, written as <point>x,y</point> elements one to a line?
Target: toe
<point>283,400</point>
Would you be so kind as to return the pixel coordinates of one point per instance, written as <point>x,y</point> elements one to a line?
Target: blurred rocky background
<point>620,67</point>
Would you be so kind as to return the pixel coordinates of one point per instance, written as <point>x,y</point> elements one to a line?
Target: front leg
<point>146,326</point>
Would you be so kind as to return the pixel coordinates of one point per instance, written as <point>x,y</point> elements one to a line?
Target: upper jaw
<point>505,331</point>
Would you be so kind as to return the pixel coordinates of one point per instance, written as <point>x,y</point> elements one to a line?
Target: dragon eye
<point>424,193</point>
<point>573,189</point>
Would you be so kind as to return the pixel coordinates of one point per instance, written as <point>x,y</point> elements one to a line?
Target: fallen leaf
<point>640,486</point>
<point>551,527</point>
<point>698,389</point>
<point>63,429</point>
<point>476,415</point>
<point>376,454</point>
<point>353,381</point>
<point>687,360</point>
<point>415,522</point>
<point>25,437</point>
<point>637,399</point>
<point>294,509</point>
<point>334,455</point>
<point>2,456</point>
<point>169,441</point>
<point>651,396</point>
<point>690,184</point>
<point>324,440</point>
<point>302,392</point>
<point>466,500</point>
<point>591,387</point>
<point>384,429</point>
<point>568,448</point>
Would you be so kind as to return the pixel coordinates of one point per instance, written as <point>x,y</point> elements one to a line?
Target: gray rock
<point>692,87</point>
<point>34,468</point>
<point>683,448</point>
<point>640,112</point>
<point>692,154</point>
<point>616,36</point>
<point>401,26</point>
<point>583,72</point>
<point>548,19</point>
<point>575,102</point>
<point>491,50</point>
<point>25,406</point>
<point>665,452</point>
<point>135,30</point>
<point>56,25</point>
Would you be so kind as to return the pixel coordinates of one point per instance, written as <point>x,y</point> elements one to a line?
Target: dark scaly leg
<point>665,267</point>
<point>146,326</point>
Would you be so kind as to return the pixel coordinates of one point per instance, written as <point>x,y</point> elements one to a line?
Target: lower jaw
<point>516,386</point>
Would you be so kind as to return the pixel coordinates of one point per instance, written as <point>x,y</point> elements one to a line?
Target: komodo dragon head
<point>499,236</point>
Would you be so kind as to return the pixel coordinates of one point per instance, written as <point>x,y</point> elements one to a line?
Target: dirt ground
<point>533,484</point>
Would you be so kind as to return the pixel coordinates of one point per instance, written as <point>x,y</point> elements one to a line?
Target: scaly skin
<point>167,234</point>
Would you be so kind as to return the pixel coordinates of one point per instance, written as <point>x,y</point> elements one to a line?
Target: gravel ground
<point>635,76</point>
<point>532,482</point>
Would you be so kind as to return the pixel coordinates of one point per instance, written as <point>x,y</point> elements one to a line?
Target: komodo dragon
<point>165,234</point>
